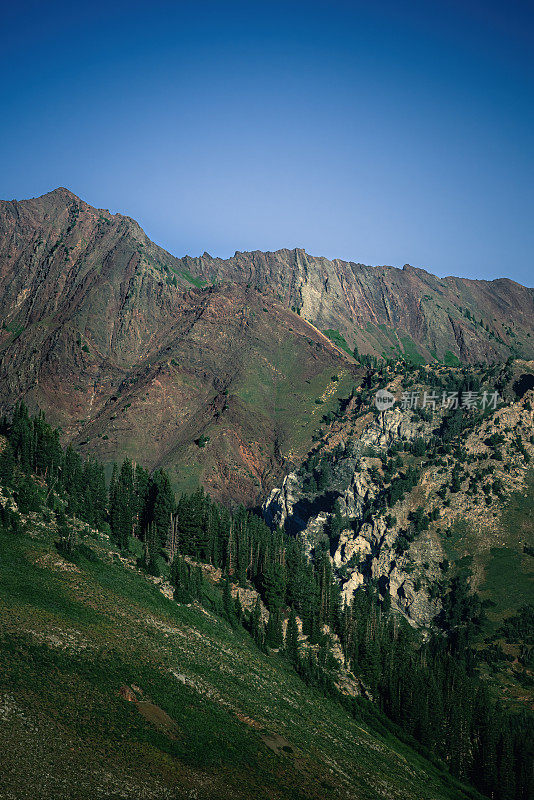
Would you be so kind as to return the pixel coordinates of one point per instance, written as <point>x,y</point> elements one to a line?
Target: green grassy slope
<point>211,704</point>
<point>509,570</point>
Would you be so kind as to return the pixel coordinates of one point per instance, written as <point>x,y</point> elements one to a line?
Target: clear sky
<point>381,132</point>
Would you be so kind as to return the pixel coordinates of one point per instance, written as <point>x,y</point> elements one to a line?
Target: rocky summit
<point>131,354</point>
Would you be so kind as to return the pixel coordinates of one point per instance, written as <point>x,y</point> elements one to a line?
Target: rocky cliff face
<point>389,311</point>
<point>364,550</point>
<point>391,499</point>
<point>132,355</point>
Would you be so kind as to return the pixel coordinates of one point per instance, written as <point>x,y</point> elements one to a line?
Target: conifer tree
<point>273,633</point>
<point>7,465</point>
<point>20,436</point>
<point>141,488</point>
<point>189,524</point>
<point>151,550</point>
<point>292,638</point>
<point>67,539</point>
<point>256,624</point>
<point>228,605</point>
<point>238,608</point>
<point>180,579</point>
<point>163,505</point>
<point>28,495</point>
<point>72,480</point>
<point>197,582</point>
<point>274,586</point>
<point>122,506</point>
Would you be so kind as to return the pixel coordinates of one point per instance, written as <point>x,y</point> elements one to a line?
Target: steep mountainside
<point>372,635</point>
<point>130,354</point>
<point>246,678</point>
<point>200,365</point>
<point>409,498</point>
<point>110,690</point>
<point>388,311</point>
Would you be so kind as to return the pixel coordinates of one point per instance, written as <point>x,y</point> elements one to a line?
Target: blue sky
<point>380,132</point>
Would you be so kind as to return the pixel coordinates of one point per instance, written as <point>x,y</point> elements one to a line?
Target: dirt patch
<point>62,639</point>
<point>277,743</point>
<point>128,694</point>
<point>158,718</point>
<point>55,562</point>
<point>248,720</point>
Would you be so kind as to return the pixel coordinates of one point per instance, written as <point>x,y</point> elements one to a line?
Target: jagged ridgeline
<point>230,579</point>
<point>216,369</point>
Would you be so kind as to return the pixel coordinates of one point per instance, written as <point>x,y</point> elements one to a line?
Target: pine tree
<point>20,436</point>
<point>189,524</point>
<point>274,586</point>
<point>28,495</point>
<point>256,624</point>
<point>141,489</point>
<point>163,505</point>
<point>122,505</point>
<point>228,605</point>
<point>66,543</point>
<point>242,546</point>
<point>72,481</point>
<point>7,465</point>
<point>150,561</point>
<point>273,634</point>
<point>197,582</point>
<point>112,489</point>
<point>505,764</point>
<point>327,598</point>
<point>484,769</point>
<point>180,579</point>
<point>292,638</point>
<point>93,506</point>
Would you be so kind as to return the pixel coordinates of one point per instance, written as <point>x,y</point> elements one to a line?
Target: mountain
<point>169,649</point>
<point>109,689</point>
<point>200,365</point>
<point>408,500</point>
<point>130,354</point>
<point>367,630</point>
<point>387,311</point>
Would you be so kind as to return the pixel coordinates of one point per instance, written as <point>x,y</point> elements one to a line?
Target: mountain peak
<point>60,194</point>
<point>63,191</point>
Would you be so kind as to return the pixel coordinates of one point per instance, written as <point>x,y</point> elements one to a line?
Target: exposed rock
<point>279,506</point>
<point>385,310</point>
<point>131,354</point>
<point>135,352</point>
<point>368,549</point>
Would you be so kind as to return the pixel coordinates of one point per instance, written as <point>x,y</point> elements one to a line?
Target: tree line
<point>429,690</point>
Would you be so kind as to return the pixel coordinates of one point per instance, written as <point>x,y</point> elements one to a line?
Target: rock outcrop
<point>389,311</point>
<point>398,548</point>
